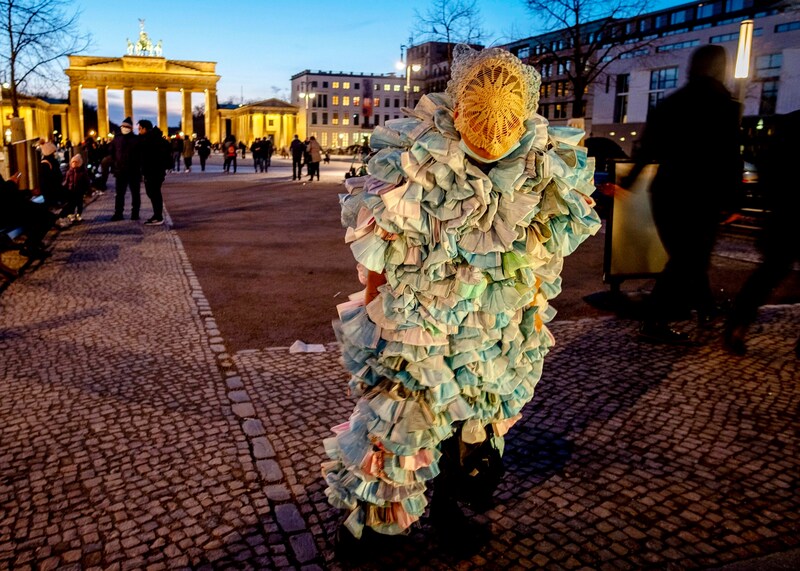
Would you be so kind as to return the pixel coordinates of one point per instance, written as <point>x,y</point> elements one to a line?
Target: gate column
<point>102,112</point>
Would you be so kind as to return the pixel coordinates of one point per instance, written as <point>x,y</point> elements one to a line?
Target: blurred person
<point>269,148</point>
<point>77,184</point>
<point>203,151</point>
<point>692,191</point>
<point>778,242</point>
<point>229,150</point>
<point>127,171</point>
<point>188,153</point>
<point>314,152</point>
<point>177,152</point>
<point>298,150</point>
<point>17,210</point>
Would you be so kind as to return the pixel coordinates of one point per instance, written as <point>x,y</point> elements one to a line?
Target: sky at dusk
<point>259,45</point>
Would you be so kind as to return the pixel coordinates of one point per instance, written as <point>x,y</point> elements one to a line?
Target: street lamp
<point>307,95</point>
<point>415,67</point>
<point>742,70</point>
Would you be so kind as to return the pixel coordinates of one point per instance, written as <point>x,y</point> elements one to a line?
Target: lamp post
<point>404,63</point>
<point>307,95</point>
<point>742,69</point>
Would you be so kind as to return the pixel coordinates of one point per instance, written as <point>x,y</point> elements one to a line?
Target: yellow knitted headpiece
<point>494,93</point>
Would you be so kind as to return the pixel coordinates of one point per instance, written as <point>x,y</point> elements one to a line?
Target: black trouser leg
<point>120,184</point>
<point>153,190</point>
<point>136,196</point>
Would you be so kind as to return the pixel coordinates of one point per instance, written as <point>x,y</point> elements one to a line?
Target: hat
<point>47,149</point>
<point>146,124</point>
<point>127,122</point>
<point>494,93</point>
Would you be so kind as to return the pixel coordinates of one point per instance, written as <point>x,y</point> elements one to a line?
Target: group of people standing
<point>262,149</point>
<point>308,153</point>
<point>146,156</point>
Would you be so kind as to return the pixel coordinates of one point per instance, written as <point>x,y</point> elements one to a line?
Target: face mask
<point>125,130</point>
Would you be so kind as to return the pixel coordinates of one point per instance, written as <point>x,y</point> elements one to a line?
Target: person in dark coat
<point>127,172</point>
<point>298,150</point>
<point>269,148</point>
<point>50,177</point>
<point>17,210</point>
<point>156,154</point>
<point>203,151</point>
<point>693,135</point>
<point>779,243</point>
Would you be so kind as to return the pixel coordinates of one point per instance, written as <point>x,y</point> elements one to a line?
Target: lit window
<point>324,139</point>
<point>335,119</point>
<point>346,85</point>
<point>416,89</point>
<point>335,99</point>
<point>345,120</point>
<point>387,87</point>
<point>336,85</point>
<point>356,101</point>
<point>377,102</point>
<point>397,88</point>
<point>346,100</point>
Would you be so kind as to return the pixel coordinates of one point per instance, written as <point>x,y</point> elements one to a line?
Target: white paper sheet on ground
<point>300,347</point>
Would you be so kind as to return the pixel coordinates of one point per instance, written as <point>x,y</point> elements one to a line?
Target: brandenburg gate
<point>142,69</point>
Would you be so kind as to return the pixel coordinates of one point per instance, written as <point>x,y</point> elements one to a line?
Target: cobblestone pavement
<point>130,439</point>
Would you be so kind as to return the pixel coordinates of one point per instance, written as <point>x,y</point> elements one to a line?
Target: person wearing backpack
<point>156,157</point>
<point>230,155</point>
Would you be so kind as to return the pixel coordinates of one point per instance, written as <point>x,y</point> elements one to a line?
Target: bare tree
<point>34,36</point>
<point>450,21</point>
<point>591,34</point>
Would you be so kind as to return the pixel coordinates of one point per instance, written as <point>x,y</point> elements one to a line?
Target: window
<point>621,98</point>
<point>336,85</point>
<point>660,81</point>
<point>544,110</point>
<point>709,9</point>
<point>524,52</point>
<point>377,102</point>
<point>335,120</point>
<point>387,87</point>
<point>355,119</point>
<point>314,118</point>
<point>321,100</point>
<point>678,46</point>
<point>662,20</point>
<point>544,91</point>
<point>736,5</point>
<point>356,101</point>
<point>387,102</point>
<point>788,27</point>
<point>377,120</point>
<point>324,85</point>
<point>356,85</point>
<point>346,85</point>
<point>346,100</point>
<point>377,87</point>
<point>344,139</point>
<point>397,87</point>
<point>324,138</point>
<point>345,119</point>
<point>680,16</point>
<point>313,84</point>
<point>272,122</point>
<point>397,103</point>
<point>769,65</point>
<point>560,111</point>
<point>324,118</point>
<point>769,98</point>
<point>416,89</point>
<point>335,100</point>
<point>385,118</point>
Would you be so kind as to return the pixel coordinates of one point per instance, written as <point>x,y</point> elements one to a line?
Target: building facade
<point>341,109</point>
<point>655,62</point>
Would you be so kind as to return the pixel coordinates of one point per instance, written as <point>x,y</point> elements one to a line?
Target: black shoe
<point>661,333</point>
<point>733,339</point>
<point>135,216</point>
<point>154,221</point>
<point>116,218</point>
<point>35,253</point>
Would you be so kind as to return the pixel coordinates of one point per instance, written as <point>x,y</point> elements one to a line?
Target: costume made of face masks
<point>469,208</point>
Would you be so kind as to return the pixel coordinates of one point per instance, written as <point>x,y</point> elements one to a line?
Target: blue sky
<point>259,45</point>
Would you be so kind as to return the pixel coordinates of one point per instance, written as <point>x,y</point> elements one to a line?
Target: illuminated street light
<point>307,95</point>
<point>415,67</point>
<point>742,70</point>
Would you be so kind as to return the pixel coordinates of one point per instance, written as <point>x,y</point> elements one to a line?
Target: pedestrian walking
<point>779,244</point>
<point>447,345</point>
<point>203,151</point>
<point>127,172</point>
<point>188,153</point>
<point>692,190</point>
<point>269,148</point>
<point>229,149</point>
<point>177,153</point>
<point>298,150</point>
<point>314,153</point>
<point>156,157</point>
